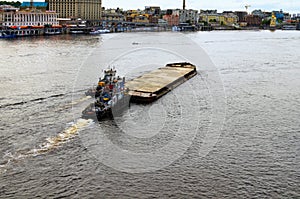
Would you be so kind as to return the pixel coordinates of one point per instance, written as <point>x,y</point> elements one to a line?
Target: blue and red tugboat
<point>111,97</point>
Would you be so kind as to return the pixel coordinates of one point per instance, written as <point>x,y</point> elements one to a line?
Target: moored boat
<point>5,35</point>
<point>100,31</point>
<point>76,31</point>
<point>289,27</point>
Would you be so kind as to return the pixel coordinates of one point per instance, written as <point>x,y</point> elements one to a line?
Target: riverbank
<point>25,31</point>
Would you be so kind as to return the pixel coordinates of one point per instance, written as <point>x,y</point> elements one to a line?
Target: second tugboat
<point>111,97</point>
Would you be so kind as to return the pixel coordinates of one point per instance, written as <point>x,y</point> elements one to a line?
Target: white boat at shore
<point>101,31</point>
<point>76,31</point>
<point>288,27</point>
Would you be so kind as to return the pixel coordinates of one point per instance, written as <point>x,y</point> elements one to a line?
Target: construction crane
<point>247,6</point>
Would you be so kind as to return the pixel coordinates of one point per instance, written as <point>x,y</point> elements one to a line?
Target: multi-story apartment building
<point>184,16</point>
<point>84,9</point>
<point>188,16</point>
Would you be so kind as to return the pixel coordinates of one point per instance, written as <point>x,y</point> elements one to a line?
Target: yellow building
<point>84,9</point>
<point>231,19</point>
<point>140,18</point>
<point>219,19</point>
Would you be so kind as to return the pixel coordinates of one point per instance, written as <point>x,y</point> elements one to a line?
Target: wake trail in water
<point>74,102</point>
<point>50,144</point>
<point>33,100</point>
<point>46,98</point>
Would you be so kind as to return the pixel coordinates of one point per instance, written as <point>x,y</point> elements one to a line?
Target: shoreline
<point>29,32</point>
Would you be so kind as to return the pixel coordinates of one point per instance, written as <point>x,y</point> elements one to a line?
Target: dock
<point>151,86</point>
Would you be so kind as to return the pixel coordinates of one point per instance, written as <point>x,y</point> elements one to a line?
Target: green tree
<point>266,22</point>
<point>16,4</point>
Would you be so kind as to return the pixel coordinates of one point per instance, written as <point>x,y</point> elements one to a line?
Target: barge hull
<point>153,85</point>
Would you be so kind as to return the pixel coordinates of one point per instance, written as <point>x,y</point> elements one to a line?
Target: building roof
<point>35,4</point>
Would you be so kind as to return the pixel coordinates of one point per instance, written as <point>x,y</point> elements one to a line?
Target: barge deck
<point>151,86</point>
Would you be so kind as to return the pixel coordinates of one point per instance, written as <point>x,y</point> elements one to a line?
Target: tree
<point>12,3</point>
<point>266,22</point>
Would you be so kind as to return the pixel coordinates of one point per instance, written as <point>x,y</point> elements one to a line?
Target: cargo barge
<point>113,94</point>
<point>151,86</point>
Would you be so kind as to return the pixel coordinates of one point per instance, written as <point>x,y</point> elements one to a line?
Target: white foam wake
<point>51,143</point>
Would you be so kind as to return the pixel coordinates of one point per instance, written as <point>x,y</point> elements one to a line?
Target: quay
<point>153,85</point>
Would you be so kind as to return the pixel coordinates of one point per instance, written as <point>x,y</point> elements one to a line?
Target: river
<point>233,131</point>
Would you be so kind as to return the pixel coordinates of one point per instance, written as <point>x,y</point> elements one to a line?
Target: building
<point>14,17</point>
<point>188,16</point>
<point>229,18</point>
<point>258,13</point>
<point>153,19</point>
<point>86,10</point>
<point>172,20</point>
<point>253,20</point>
<point>296,17</point>
<point>185,16</point>
<point>141,18</point>
<point>26,5</point>
<point>217,19</point>
<point>241,15</point>
<point>152,10</point>
<point>113,15</point>
<point>131,14</point>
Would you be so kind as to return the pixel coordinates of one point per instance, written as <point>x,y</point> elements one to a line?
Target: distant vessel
<point>111,97</point>
<point>273,22</point>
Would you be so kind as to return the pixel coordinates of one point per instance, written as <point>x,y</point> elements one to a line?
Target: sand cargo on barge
<point>151,86</point>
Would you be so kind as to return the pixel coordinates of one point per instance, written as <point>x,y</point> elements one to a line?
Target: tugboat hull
<point>95,113</point>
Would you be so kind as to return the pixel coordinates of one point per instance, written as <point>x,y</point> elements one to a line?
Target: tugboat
<point>111,97</point>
